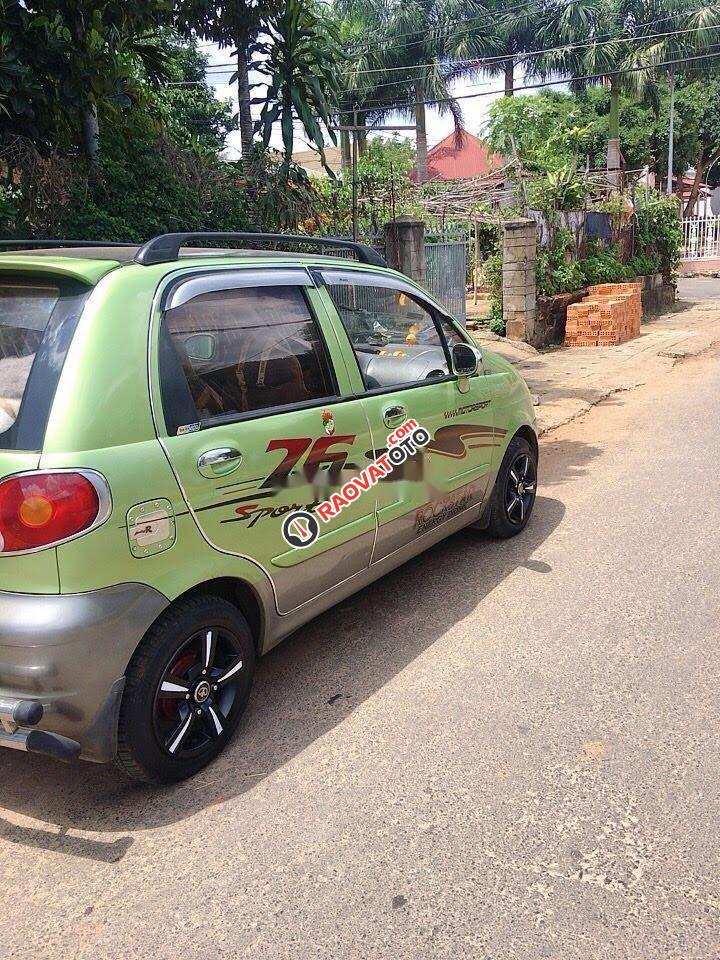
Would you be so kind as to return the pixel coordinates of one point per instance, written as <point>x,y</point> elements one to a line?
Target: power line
<point>587,78</point>
<point>481,62</point>
<point>479,20</point>
<point>533,86</point>
<point>519,59</point>
<point>493,21</point>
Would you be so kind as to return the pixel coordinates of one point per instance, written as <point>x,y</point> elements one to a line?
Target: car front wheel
<point>186,689</point>
<point>513,497</point>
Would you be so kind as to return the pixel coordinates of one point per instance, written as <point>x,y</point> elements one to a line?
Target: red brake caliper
<point>167,706</point>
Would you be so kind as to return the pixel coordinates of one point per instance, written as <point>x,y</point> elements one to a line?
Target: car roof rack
<point>166,247</point>
<point>51,244</point>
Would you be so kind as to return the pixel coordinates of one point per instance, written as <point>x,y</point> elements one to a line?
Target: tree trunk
<point>421,133</point>
<point>614,173</point>
<point>244,111</point>
<point>614,108</point>
<point>345,154</point>
<point>90,135</point>
<point>510,77</point>
<point>703,163</point>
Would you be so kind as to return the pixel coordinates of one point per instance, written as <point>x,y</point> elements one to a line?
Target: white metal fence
<point>701,238</point>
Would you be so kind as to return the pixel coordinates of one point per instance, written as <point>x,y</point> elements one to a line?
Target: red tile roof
<point>450,160</point>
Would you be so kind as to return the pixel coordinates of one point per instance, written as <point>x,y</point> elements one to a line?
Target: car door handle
<point>216,463</point>
<point>394,416</point>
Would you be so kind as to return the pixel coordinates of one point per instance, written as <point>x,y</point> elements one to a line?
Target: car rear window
<point>37,320</point>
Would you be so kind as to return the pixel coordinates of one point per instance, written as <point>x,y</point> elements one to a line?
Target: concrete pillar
<point>405,247</point>
<point>519,295</point>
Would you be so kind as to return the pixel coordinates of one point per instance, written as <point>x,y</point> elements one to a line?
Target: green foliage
<point>546,132</point>
<point>558,190</point>
<point>86,53</point>
<point>8,210</point>
<point>187,109</point>
<point>493,279</point>
<point>298,55</point>
<point>283,198</point>
<point>658,229</point>
<point>615,205</point>
<point>643,265</point>
<point>492,275</point>
<point>555,271</point>
<point>144,191</point>
<point>496,323</point>
<point>383,180</point>
<point>602,266</point>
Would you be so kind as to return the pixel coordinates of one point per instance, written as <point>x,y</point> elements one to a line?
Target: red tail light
<point>39,509</point>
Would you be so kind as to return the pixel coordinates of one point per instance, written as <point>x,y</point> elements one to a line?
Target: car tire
<point>506,515</point>
<point>169,729</point>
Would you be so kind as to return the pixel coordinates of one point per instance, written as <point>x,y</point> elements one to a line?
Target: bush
<point>644,264</point>
<point>603,266</point>
<point>496,322</point>
<point>492,275</point>
<point>8,211</point>
<point>659,230</point>
<point>555,271</point>
<point>148,185</point>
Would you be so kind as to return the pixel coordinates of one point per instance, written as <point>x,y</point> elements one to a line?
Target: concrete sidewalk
<point>568,382</point>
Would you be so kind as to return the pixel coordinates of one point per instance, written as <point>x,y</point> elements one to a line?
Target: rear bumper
<point>70,652</point>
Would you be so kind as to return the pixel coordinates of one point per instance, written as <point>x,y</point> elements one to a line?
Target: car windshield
<point>37,318</point>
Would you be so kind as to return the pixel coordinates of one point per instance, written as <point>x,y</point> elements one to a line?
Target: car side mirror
<point>465,362</point>
<point>200,346</point>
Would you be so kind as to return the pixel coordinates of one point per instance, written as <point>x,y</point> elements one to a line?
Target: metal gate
<point>701,238</point>
<point>446,274</point>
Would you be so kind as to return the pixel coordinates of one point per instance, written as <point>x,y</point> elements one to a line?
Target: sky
<point>475,111</point>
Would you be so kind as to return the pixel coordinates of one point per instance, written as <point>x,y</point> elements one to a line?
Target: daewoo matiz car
<point>165,414</point>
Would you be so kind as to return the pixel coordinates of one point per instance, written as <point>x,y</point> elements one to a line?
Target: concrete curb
<point>558,412</point>
<point>567,383</point>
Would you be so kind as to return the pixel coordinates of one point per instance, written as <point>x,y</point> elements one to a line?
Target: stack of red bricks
<point>610,314</point>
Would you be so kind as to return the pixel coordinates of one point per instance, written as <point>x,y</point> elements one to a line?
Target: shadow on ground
<point>304,688</point>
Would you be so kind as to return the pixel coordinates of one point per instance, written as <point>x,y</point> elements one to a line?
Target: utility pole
<point>671,134</point>
<point>355,130</point>
<point>354,177</point>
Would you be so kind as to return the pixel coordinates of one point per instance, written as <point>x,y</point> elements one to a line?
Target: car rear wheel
<point>186,689</point>
<point>513,498</point>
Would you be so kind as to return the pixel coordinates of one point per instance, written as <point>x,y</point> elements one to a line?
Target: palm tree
<point>298,53</point>
<point>426,46</point>
<point>235,24</point>
<point>616,43</point>
<point>517,33</point>
<point>358,24</point>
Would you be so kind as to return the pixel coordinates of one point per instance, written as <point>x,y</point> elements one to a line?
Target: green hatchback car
<point>201,449</point>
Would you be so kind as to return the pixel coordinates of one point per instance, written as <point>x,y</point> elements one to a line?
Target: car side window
<point>450,334</point>
<point>394,336</point>
<point>231,352</point>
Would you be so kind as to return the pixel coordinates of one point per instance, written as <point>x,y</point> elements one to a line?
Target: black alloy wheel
<point>197,693</point>
<point>186,689</point>
<point>513,497</point>
<point>520,489</point>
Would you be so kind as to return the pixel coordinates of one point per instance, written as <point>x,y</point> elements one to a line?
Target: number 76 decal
<point>295,449</point>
